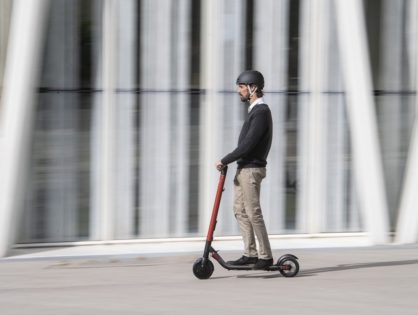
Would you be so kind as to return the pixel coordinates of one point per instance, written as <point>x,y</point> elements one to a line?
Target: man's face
<point>243,92</point>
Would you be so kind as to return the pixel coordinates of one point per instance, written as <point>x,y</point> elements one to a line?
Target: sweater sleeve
<point>258,125</point>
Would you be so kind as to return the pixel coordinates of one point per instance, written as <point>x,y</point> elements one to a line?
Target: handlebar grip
<point>224,170</point>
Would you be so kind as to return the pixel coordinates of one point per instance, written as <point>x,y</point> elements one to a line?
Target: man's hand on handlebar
<point>219,166</point>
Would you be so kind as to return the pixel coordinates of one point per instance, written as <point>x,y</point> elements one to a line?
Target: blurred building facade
<point>135,101</point>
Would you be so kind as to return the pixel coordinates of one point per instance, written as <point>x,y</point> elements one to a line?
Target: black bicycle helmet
<point>249,77</point>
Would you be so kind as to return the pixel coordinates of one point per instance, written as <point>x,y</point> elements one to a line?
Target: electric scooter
<point>203,268</point>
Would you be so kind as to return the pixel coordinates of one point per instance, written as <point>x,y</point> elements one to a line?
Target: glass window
<point>174,66</point>
<point>58,198</point>
<point>391,37</point>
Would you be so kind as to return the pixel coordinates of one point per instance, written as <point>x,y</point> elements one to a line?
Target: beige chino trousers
<point>248,213</point>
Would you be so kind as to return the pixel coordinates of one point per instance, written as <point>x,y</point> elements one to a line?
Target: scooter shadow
<point>316,271</point>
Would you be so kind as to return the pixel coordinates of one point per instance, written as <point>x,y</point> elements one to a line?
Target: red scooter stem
<point>219,191</point>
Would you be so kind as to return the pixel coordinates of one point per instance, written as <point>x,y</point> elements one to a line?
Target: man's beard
<point>243,98</point>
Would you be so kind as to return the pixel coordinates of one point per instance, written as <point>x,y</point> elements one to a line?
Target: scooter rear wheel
<point>203,270</point>
<point>288,267</point>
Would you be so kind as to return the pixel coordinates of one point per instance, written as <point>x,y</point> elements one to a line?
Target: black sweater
<point>254,140</point>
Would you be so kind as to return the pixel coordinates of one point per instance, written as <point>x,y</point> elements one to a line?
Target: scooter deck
<point>227,266</point>
<point>251,267</point>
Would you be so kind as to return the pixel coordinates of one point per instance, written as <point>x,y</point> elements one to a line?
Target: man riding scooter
<point>251,153</point>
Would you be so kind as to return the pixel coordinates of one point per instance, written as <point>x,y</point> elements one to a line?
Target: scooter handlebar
<point>224,170</point>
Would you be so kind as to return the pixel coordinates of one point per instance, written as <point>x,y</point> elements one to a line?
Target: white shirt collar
<point>256,102</point>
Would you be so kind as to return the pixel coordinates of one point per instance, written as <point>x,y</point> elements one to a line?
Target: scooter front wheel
<point>203,269</point>
<point>288,266</point>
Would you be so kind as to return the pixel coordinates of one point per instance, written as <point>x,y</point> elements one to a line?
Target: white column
<point>106,211</point>
<point>231,30</point>
<point>211,111</point>
<point>24,50</point>
<point>313,122</point>
<point>270,57</point>
<point>96,158</point>
<point>125,99</point>
<point>222,113</point>
<point>392,107</point>
<point>179,181</point>
<point>338,166</point>
<point>164,111</point>
<point>407,224</point>
<point>368,172</point>
<point>155,112</point>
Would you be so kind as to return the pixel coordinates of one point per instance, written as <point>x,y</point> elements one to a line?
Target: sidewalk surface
<point>359,280</point>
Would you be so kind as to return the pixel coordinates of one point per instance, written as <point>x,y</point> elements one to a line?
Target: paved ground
<point>364,280</point>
